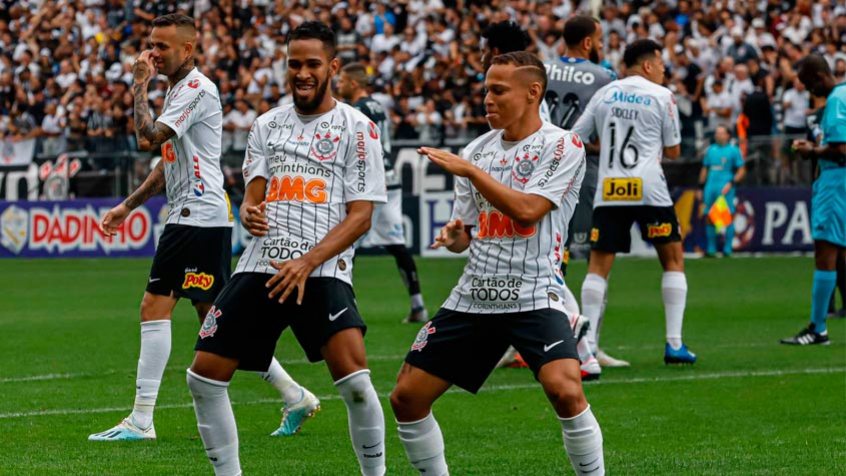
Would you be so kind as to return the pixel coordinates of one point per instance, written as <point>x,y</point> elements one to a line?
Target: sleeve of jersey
<point>671,133</point>
<point>835,129</point>
<point>586,125</point>
<point>188,107</point>
<point>463,207</point>
<point>365,174</point>
<point>255,160</point>
<point>560,170</point>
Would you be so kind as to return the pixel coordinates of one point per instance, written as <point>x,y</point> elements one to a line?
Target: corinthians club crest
<point>523,167</point>
<point>325,146</point>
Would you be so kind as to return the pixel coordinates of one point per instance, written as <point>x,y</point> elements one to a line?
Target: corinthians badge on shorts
<point>423,337</point>
<point>210,323</point>
<point>325,147</point>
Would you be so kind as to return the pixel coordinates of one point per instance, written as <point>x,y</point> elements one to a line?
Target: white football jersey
<point>314,166</point>
<point>193,178</point>
<point>635,120</point>
<point>512,268</point>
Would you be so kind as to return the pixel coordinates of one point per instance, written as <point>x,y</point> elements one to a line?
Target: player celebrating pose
<point>386,229</point>
<point>313,170</point>
<point>194,253</point>
<point>828,202</point>
<point>515,189</point>
<point>638,123</point>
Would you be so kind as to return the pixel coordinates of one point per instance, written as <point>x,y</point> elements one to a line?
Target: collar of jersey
<point>571,60</point>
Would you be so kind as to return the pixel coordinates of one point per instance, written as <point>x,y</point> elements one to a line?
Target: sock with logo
<point>366,421</point>
<point>155,351</point>
<point>593,292</point>
<point>216,423</point>
<point>583,442</point>
<point>424,445</point>
<point>674,293</point>
<point>290,390</point>
<point>824,283</point>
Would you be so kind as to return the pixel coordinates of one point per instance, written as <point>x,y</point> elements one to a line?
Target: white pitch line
<point>487,389</point>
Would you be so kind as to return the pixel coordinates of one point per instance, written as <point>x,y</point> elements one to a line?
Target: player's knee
<point>565,394</point>
<point>407,406</point>
<point>154,308</point>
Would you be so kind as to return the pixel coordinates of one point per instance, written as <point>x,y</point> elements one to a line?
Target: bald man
<point>194,253</point>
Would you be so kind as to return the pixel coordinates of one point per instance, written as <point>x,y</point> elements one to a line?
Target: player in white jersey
<point>637,122</point>
<point>194,253</point>
<point>387,227</point>
<point>313,171</point>
<point>515,189</point>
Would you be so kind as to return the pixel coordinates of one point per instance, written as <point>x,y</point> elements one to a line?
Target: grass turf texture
<point>69,347</point>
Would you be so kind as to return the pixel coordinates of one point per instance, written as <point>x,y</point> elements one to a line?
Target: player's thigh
<point>600,262</point>
<point>671,256</point>
<point>415,392</point>
<point>458,347</point>
<point>541,336</point>
<point>825,255</point>
<point>244,323</point>
<point>328,309</point>
<point>610,229</point>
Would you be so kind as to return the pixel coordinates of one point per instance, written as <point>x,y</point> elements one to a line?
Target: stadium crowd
<point>65,66</point>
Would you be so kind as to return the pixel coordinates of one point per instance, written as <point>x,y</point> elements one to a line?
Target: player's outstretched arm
<point>524,208</point>
<point>293,273</point>
<point>150,135</point>
<point>153,185</point>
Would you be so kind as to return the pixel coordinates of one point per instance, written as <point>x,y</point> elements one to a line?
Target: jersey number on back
<point>626,148</point>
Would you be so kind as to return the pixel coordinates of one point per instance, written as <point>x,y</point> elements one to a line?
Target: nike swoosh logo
<point>153,280</point>
<point>370,447</point>
<point>332,317</point>
<point>547,347</point>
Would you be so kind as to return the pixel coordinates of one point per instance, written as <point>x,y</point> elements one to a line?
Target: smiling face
<point>310,70</point>
<point>172,46</point>
<point>511,90</point>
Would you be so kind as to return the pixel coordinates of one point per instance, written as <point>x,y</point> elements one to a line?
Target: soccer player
<point>722,170</point>
<point>573,80</point>
<point>638,123</point>
<point>313,170</point>
<point>828,202</point>
<point>515,187</point>
<point>386,229</point>
<point>194,253</point>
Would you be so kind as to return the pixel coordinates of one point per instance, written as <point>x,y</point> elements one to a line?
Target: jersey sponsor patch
<point>494,224</point>
<point>622,189</point>
<point>659,230</point>
<point>198,280</point>
<point>297,189</point>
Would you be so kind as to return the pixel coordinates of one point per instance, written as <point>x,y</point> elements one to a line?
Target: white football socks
<point>593,293</point>
<point>290,390</point>
<point>417,301</point>
<point>155,351</point>
<point>674,292</point>
<point>366,421</point>
<point>216,423</point>
<point>424,445</point>
<point>583,442</point>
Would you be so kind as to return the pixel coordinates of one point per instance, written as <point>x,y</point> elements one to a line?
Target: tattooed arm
<point>154,184</point>
<point>150,135</point>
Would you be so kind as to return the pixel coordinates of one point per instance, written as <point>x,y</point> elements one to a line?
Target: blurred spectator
<point>53,131</point>
<point>238,122</point>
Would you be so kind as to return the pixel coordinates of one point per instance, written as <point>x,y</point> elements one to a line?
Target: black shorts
<point>191,262</point>
<point>612,225</point>
<point>245,323</point>
<point>463,348</point>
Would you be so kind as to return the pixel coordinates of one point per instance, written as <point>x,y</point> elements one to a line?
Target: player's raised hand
<point>144,67</point>
<point>289,275</point>
<point>447,161</point>
<point>113,219</point>
<point>254,219</point>
<point>803,147</point>
<point>448,234</point>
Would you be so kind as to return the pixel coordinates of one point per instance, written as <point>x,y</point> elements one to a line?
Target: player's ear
<point>334,66</point>
<point>535,92</point>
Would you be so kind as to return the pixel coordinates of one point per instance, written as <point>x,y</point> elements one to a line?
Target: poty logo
<point>198,280</point>
<point>660,230</point>
<point>616,95</point>
<point>494,224</point>
<point>297,189</point>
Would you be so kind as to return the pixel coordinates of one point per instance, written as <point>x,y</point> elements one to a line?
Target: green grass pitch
<point>69,346</point>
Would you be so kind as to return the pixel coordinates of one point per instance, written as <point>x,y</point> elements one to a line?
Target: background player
<point>828,202</point>
<point>386,229</point>
<point>573,80</point>
<point>313,170</point>
<point>722,170</point>
<point>510,187</point>
<point>194,253</point>
<point>638,124</point>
